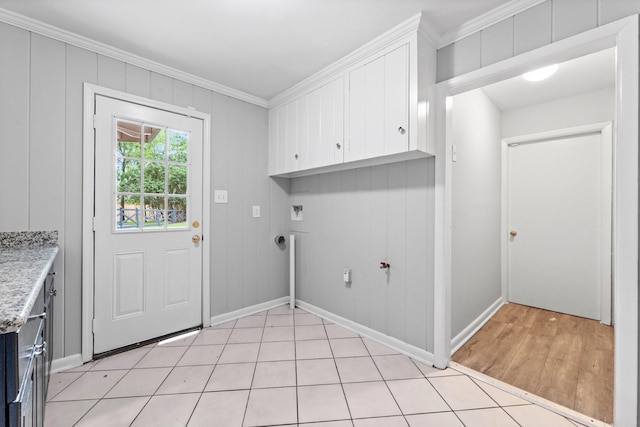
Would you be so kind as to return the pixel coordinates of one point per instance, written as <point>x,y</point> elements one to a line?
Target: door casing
<point>88,196</point>
<point>624,36</point>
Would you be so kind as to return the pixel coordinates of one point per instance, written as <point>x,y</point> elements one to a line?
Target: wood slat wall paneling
<point>14,122</point>
<point>612,10</point>
<point>111,73</point>
<point>137,81</point>
<point>571,17</point>
<point>378,228</point>
<point>250,197</point>
<point>81,67</point>
<point>162,88</point>
<point>182,93</point>
<point>497,42</point>
<point>532,28</point>
<point>362,268</point>
<point>467,54</point>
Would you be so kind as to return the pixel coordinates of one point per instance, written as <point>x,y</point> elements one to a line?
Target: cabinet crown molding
<point>417,24</point>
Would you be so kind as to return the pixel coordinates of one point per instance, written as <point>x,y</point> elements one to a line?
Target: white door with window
<point>559,224</point>
<point>147,223</point>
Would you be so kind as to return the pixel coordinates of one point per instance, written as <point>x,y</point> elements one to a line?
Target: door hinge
<point>93,224</point>
<point>93,326</point>
<point>454,153</point>
<point>95,116</point>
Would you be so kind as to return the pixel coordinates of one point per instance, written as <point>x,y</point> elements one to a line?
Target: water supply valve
<point>385,265</point>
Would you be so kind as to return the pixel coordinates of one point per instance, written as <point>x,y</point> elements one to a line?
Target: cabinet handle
<point>401,130</point>
<point>296,156</point>
<point>338,145</point>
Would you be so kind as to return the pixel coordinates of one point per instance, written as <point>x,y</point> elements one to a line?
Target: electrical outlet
<point>220,196</point>
<point>256,211</point>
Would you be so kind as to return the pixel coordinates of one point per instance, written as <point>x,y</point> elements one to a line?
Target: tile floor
<point>279,368</point>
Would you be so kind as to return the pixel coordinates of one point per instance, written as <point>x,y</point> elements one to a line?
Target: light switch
<point>256,211</point>
<point>220,196</point>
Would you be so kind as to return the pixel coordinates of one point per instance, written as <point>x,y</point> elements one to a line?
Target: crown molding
<point>417,23</point>
<point>494,16</point>
<point>68,37</point>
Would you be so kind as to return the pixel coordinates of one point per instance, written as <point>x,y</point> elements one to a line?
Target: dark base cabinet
<point>25,361</point>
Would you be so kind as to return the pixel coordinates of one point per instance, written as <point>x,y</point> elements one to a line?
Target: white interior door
<point>147,222</point>
<point>559,225</point>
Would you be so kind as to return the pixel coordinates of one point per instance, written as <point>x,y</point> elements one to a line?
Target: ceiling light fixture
<point>540,73</point>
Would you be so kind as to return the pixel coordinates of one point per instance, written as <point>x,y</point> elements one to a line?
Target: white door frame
<point>88,195</point>
<point>605,130</point>
<point>622,34</point>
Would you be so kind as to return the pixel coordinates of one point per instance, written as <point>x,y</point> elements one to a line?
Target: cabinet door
<point>314,128</point>
<point>281,139</point>
<point>396,101</point>
<point>332,122</point>
<point>378,106</point>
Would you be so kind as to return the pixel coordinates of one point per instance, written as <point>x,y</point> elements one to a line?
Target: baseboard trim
<point>464,336</point>
<point>64,363</point>
<point>414,352</point>
<point>246,311</point>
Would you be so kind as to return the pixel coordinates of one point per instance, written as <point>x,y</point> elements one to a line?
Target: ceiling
<point>577,76</point>
<point>260,47</point>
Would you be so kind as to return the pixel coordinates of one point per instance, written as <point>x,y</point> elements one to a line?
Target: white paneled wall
<point>538,26</point>
<point>356,219</point>
<point>41,170</point>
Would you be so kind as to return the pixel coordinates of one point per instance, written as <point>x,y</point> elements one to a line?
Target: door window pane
<point>151,177</point>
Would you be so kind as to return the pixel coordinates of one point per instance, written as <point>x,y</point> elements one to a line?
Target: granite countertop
<point>25,260</point>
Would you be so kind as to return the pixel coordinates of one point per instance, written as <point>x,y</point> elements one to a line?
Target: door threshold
<point>141,344</point>
<point>530,397</point>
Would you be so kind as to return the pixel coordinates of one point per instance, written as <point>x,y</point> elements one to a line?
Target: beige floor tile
<point>501,397</point>
<point>60,381</point>
<point>279,320</point>
<point>113,412</point>
<point>271,406</point>
<point>535,416</point>
<point>381,422</point>
<point>348,347</point>
<point>343,423</point>
<point>313,349</point>
<point>65,414</point>
<point>372,399</point>
<point>317,371</point>
<point>274,351</point>
<point>245,335</point>
<point>179,341</point>
<point>159,357</point>
<point>430,371</point>
<point>397,367</point>
<point>125,360</point>
<point>172,410</point>
<point>305,319</point>
<point>255,321</point>
<point>236,376</point>
<point>186,379</point>
<point>91,385</point>
<point>201,355</point>
<point>139,382</point>
<point>322,403</point>
<point>357,369</point>
<point>442,419</point>
<point>336,331</point>
<point>84,367</point>
<point>460,393</point>
<point>377,349</point>
<point>313,332</point>
<point>226,325</point>
<point>212,336</point>
<point>278,333</point>
<point>416,396</point>
<point>492,417</point>
<point>283,309</point>
<point>220,409</point>
<point>239,353</point>
<point>275,374</point>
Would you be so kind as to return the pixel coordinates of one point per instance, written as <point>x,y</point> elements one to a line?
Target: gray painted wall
<point>41,170</point>
<point>476,208</point>
<point>355,219</point>
<point>538,26</point>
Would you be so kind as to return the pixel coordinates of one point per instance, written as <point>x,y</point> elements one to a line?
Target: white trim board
<point>622,34</point>
<point>88,185</point>
<point>473,327</point>
<point>247,311</point>
<point>64,36</point>
<point>64,363</point>
<point>414,352</point>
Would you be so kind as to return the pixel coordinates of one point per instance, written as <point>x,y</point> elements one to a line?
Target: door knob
<point>195,238</point>
<point>401,130</point>
<point>513,233</point>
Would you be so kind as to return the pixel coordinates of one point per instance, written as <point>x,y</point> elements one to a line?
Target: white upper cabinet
<point>368,108</point>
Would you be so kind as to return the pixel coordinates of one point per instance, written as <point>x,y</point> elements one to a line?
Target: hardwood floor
<point>562,358</point>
